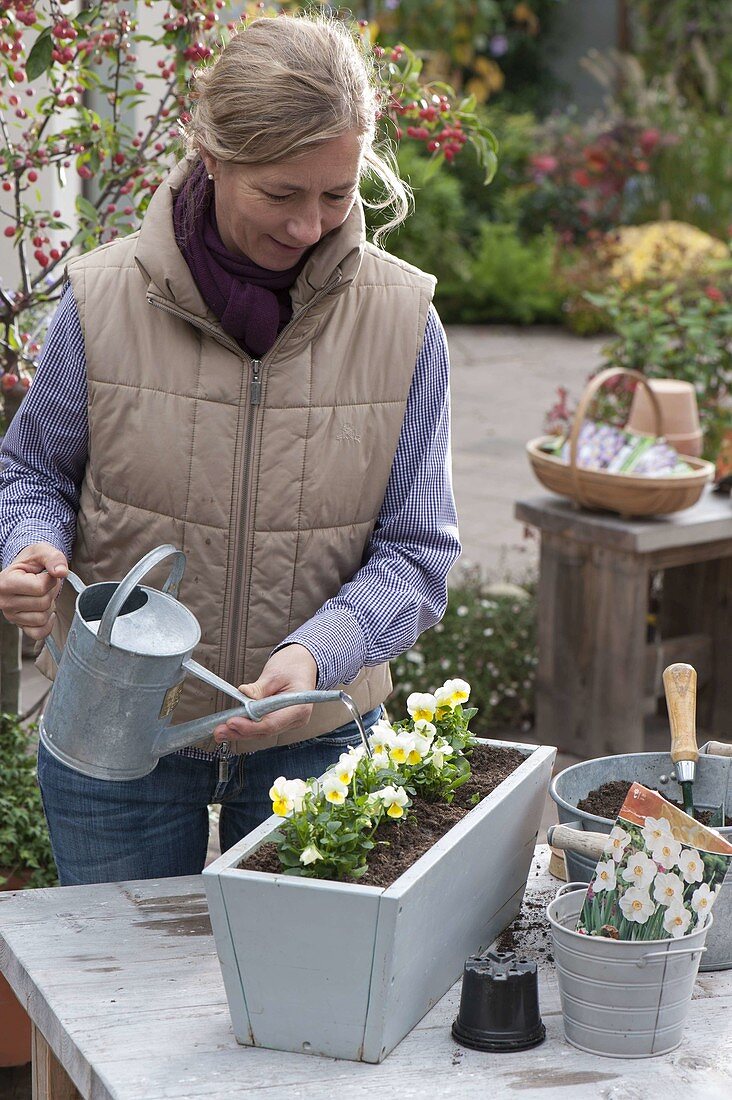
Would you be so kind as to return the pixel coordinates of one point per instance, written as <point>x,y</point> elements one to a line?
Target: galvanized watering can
<point>121,674</point>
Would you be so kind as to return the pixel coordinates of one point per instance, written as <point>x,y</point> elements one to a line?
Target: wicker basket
<point>627,494</point>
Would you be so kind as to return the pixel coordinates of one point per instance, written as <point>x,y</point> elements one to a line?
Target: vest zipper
<point>242,557</point>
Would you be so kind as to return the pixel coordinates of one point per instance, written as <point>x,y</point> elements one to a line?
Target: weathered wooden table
<point>123,986</point>
<point>596,670</point>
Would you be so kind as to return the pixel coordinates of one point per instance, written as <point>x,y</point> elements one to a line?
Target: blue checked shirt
<point>399,591</point>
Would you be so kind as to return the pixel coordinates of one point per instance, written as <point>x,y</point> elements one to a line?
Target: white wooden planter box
<point>346,970</point>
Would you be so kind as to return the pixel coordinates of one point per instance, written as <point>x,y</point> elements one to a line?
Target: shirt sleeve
<point>401,589</point>
<point>45,450</point>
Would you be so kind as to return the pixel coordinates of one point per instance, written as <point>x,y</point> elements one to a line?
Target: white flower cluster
<point>658,879</point>
<point>390,749</point>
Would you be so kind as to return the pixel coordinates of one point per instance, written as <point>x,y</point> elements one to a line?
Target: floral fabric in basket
<point>660,873</point>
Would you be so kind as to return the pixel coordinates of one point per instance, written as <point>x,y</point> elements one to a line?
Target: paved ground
<point>504,380</point>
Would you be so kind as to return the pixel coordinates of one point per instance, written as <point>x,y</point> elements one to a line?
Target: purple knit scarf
<point>251,303</point>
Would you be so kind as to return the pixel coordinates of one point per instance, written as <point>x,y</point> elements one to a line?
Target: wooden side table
<point>594,660</point>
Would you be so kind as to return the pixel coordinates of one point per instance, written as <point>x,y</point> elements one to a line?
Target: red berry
<point>55,254</point>
<point>9,381</point>
<point>32,176</point>
<point>9,231</point>
<point>119,158</point>
<point>41,257</point>
<point>7,186</point>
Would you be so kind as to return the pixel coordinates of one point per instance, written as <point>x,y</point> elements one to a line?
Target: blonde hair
<point>283,85</point>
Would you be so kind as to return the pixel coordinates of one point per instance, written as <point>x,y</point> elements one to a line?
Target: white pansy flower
<point>334,789</point>
<point>452,694</point>
<point>690,865</point>
<point>655,829</point>
<point>441,749</point>
<point>393,799</point>
<point>425,728</point>
<point>345,767</point>
<point>287,795</point>
<point>380,759</point>
<point>637,905</point>
<point>310,855</point>
<point>616,843</point>
<point>281,800</point>
<point>421,705</point>
<point>666,850</point>
<point>676,920</point>
<point>604,876</point>
<point>668,889</point>
<point>381,736</point>
<point>401,746</point>
<point>420,748</point>
<point>641,870</point>
<point>702,900</point>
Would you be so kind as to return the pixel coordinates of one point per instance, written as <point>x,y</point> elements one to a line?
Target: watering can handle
<point>77,584</point>
<point>135,575</point>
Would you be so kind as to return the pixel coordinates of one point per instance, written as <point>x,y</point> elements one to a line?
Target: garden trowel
<point>679,682</point>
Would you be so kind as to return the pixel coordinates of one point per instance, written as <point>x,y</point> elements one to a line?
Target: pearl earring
<point>210,175</point>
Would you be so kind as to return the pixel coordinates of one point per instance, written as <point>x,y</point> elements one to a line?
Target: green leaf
<point>86,209</point>
<point>39,59</point>
<point>88,16</point>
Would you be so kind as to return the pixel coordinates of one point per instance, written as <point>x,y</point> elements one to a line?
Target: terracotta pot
<point>15,1025</point>
<point>679,414</point>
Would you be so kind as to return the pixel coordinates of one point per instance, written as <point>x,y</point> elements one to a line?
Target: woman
<point>247,379</point>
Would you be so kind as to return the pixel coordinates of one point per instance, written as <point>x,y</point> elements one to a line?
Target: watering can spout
<point>183,736</point>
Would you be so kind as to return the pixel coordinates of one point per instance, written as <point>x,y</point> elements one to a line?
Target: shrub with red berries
<point>117,168</point>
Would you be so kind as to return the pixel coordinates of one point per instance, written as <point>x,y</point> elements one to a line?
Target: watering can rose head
<point>329,823</point>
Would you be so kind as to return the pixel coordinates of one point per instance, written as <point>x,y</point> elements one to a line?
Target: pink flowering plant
<point>329,824</point>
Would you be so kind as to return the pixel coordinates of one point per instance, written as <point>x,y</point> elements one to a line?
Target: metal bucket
<point>712,786</point>
<point>619,998</point>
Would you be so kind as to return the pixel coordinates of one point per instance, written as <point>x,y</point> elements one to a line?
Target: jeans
<point>157,826</point>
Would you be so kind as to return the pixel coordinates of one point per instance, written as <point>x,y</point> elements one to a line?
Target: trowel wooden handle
<point>679,682</point>
<point>572,840</point>
<point>716,748</point>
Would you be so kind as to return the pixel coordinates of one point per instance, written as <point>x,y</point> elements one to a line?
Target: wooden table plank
<point>157,1028</point>
<point>708,521</point>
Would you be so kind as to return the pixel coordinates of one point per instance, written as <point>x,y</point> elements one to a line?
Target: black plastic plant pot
<point>499,1004</point>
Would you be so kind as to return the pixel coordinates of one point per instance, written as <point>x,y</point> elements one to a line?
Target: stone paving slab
<point>504,380</point>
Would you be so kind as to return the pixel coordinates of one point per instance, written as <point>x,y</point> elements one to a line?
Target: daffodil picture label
<point>659,874</point>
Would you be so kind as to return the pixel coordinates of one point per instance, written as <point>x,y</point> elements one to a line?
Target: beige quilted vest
<point>269,475</point>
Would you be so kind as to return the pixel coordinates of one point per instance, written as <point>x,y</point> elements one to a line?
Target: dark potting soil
<point>607,800</point>
<point>398,846</point>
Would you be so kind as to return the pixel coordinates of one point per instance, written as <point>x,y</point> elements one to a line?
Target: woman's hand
<point>290,669</point>
<point>29,587</point>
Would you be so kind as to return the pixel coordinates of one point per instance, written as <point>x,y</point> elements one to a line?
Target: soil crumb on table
<point>607,801</point>
<point>400,845</point>
<point>529,934</point>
